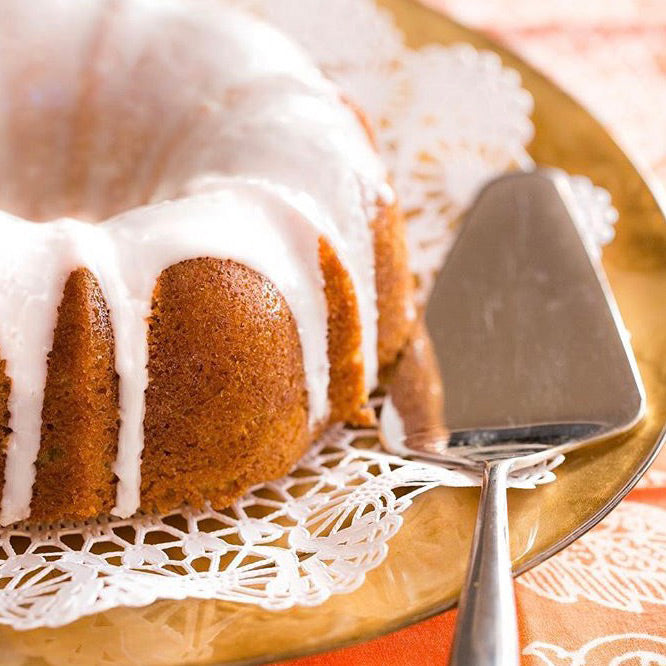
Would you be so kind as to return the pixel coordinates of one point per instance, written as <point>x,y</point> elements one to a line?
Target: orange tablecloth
<point>603,599</point>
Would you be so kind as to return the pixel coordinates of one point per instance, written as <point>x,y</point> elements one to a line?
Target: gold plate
<point>423,571</point>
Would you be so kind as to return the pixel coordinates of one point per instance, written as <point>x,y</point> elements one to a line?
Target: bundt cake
<point>202,263</point>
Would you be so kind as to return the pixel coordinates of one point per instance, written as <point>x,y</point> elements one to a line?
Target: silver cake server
<point>534,360</point>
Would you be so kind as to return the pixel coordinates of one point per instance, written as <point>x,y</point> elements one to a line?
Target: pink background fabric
<point>603,599</point>
<point>610,54</point>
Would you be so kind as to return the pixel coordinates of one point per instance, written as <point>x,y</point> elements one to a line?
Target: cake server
<point>534,360</point>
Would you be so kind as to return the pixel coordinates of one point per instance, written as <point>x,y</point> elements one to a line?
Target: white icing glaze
<point>150,100</point>
<point>241,221</point>
<point>312,145</point>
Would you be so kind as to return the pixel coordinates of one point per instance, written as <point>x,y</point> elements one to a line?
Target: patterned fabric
<point>603,599</point>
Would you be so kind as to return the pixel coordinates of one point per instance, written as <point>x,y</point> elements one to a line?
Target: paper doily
<point>447,119</point>
<point>297,540</point>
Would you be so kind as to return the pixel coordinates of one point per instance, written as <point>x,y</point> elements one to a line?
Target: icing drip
<point>35,261</point>
<point>243,222</point>
<point>147,101</point>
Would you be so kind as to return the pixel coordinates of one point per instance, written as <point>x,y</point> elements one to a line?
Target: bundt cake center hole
<point>79,202</point>
<point>57,163</point>
<point>106,108</point>
<point>36,198</point>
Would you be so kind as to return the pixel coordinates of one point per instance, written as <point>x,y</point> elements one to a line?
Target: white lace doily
<point>447,119</point>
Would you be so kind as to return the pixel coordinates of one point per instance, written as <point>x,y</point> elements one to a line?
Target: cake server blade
<point>527,334</point>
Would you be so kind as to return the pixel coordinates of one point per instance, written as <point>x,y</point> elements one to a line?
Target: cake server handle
<point>486,629</point>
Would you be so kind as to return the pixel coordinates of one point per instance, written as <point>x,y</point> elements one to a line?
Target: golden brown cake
<point>202,264</point>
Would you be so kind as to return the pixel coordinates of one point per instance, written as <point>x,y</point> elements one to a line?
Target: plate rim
<point>658,193</point>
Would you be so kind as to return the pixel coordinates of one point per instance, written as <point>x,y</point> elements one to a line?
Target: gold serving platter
<point>423,572</point>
